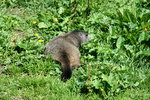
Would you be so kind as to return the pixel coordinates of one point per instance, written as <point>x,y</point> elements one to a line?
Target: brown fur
<point>64,48</point>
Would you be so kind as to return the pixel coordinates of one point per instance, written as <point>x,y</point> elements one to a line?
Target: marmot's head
<point>84,37</point>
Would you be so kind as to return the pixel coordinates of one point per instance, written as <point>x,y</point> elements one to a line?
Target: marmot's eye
<point>86,35</point>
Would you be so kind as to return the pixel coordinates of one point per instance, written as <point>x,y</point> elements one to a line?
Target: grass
<point>114,63</point>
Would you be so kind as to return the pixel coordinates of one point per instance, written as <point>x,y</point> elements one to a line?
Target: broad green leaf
<point>24,46</point>
<point>42,25</point>
<point>61,10</point>
<point>142,37</point>
<point>129,47</point>
<point>145,53</point>
<point>108,79</point>
<point>119,42</point>
<point>96,84</point>
<point>136,84</point>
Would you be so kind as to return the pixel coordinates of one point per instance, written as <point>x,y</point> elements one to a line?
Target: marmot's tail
<point>66,66</point>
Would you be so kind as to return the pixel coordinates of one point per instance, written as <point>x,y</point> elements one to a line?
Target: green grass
<point>114,63</point>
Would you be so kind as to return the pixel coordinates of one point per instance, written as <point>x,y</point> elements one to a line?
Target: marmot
<point>64,48</point>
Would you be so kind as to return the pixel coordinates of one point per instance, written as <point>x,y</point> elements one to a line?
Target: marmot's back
<point>64,48</point>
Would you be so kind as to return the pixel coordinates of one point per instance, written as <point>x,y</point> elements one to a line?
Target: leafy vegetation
<point>114,63</point>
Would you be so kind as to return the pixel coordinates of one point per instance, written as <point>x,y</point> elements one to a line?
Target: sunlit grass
<point>114,63</point>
